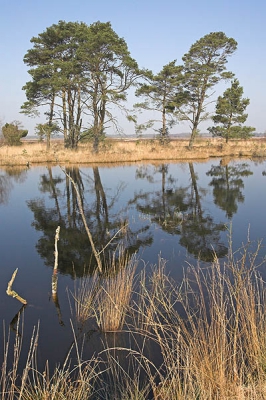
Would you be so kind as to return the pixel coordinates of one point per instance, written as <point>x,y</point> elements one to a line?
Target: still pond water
<point>181,211</point>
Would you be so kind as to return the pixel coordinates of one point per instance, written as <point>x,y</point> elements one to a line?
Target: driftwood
<point>11,292</point>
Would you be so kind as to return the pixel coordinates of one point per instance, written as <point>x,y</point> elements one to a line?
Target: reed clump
<point>115,293</point>
<point>106,297</point>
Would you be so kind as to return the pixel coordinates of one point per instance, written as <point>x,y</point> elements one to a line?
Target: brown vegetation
<point>209,330</point>
<point>123,150</point>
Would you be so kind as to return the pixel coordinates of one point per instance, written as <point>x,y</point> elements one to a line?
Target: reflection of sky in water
<point>121,186</point>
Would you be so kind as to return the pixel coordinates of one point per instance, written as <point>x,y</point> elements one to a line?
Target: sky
<point>156,33</point>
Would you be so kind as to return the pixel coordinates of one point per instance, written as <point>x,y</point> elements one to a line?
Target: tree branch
<point>11,292</point>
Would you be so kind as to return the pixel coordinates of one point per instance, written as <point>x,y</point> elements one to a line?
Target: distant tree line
<point>80,75</point>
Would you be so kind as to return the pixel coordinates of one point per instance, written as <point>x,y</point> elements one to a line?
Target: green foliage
<point>159,94</point>
<point>230,114</point>
<point>88,135</point>
<point>46,130</point>
<point>77,71</point>
<point>204,67</point>
<point>227,183</point>
<point>13,133</point>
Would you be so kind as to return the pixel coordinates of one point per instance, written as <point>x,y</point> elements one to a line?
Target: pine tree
<point>204,67</point>
<point>78,73</point>
<point>230,114</point>
<point>159,95</point>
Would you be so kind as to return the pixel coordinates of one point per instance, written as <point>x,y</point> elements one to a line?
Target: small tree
<point>45,131</point>
<point>13,133</point>
<point>159,95</point>
<point>230,114</point>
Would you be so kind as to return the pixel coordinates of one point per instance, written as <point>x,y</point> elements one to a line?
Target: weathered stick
<point>11,292</point>
<point>54,277</point>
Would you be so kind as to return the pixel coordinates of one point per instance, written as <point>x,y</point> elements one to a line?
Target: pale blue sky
<point>156,32</point>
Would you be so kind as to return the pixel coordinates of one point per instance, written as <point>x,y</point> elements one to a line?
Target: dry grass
<point>113,151</point>
<point>85,297</point>
<point>213,344</point>
<point>210,332</point>
<point>65,382</point>
<point>113,299</point>
<point>106,298</point>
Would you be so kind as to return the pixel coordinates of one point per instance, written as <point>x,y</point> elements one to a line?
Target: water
<point>181,211</point>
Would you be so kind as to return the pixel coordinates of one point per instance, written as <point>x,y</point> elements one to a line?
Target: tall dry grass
<point>106,298</point>
<point>213,342</point>
<point>113,151</point>
<point>209,331</point>
<point>66,382</point>
<point>113,300</point>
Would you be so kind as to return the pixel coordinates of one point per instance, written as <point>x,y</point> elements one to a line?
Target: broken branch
<point>11,292</point>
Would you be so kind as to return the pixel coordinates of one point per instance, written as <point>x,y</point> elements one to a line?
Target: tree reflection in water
<point>7,175</point>
<point>104,223</point>
<point>227,183</point>
<point>178,210</point>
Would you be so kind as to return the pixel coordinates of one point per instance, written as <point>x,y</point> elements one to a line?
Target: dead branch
<point>54,277</point>
<point>11,292</point>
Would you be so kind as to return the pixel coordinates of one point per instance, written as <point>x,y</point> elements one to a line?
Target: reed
<point>213,343</point>
<point>85,297</point>
<point>115,292</point>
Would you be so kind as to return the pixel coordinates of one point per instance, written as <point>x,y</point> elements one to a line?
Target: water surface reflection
<point>181,211</point>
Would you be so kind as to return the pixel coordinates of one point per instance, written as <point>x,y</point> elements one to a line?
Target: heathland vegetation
<point>126,151</point>
<point>209,329</point>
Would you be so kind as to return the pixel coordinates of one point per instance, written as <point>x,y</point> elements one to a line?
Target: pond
<point>182,212</point>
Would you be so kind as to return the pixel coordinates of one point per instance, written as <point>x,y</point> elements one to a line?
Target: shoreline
<point>113,151</point>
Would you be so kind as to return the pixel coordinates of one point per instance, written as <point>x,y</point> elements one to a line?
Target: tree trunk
<point>50,123</point>
<point>48,140</point>
<point>65,118</point>
<point>96,142</point>
<point>192,138</point>
<point>164,126</point>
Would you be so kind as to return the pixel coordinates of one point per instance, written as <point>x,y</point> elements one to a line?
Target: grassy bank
<point>118,151</point>
<point>209,331</point>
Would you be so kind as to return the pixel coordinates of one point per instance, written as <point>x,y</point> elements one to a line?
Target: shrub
<point>12,133</point>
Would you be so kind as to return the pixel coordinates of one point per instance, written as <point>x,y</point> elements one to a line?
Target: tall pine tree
<point>204,67</point>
